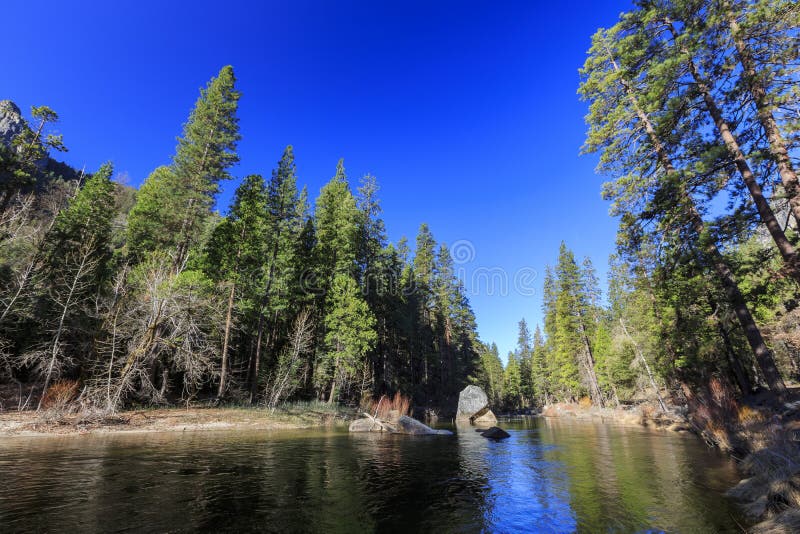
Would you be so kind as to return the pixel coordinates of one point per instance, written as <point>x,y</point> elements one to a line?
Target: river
<point>550,476</point>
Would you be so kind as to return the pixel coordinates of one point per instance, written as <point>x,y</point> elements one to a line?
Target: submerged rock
<point>472,403</point>
<point>495,433</point>
<point>408,425</point>
<point>402,425</point>
<point>365,425</point>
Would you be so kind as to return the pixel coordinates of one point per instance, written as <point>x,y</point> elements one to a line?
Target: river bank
<point>196,418</point>
<point>641,415</point>
<point>765,441</point>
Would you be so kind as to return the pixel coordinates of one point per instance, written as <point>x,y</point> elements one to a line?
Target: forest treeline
<point>151,296</point>
<point>693,110</point>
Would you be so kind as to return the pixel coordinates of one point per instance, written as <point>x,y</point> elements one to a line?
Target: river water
<point>550,476</point>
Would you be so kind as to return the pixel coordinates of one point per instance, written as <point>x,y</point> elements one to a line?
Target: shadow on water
<point>550,476</point>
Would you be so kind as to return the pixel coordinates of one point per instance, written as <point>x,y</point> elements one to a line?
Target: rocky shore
<point>642,415</point>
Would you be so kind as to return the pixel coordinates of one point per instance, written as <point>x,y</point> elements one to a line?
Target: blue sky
<point>465,111</point>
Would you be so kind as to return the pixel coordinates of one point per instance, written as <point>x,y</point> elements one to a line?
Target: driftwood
<point>383,425</point>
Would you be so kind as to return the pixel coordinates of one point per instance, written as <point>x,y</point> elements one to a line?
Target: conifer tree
<point>336,222</point>
<point>176,205</point>
<point>512,382</point>
<point>491,375</point>
<point>285,212</point>
<point>235,255</point>
<point>20,163</point>
<point>524,354</point>
<point>424,267</point>
<point>76,257</point>
<point>540,379</point>
<point>650,190</point>
<point>350,333</point>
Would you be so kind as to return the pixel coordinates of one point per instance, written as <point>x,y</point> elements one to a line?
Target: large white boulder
<point>472,403</point>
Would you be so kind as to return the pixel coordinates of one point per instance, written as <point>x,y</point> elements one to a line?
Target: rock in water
<point>407,425</point>
<point>495,433</point>
<point>486,418</point>
<point>472,402</point>
<point>403,425</point>
<point>365,425</point>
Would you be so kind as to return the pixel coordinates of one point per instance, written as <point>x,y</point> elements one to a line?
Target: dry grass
<point>60,395</point>
<point>714,413</point>
<point>585,402</point>
<point>387,408</point>
<point>787,522</point>
<point>749,416</point>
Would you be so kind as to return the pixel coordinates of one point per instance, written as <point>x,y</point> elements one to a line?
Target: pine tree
<point>77,252</point>
<point>20,163</point>
<point>524,355</point>
<point>512,382</point>
<point>173,209</point>
<point>653,191</point>
<point>491,374</point>
<point>336,222</point>
<point>235,256</point>
<point>424,267</point>
<point>540,379</point>
<point>350,334</point>
<point>286,210</point>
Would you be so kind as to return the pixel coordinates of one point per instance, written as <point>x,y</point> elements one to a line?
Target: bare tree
<point>69,292</point>
<point>292,364</point>
<point>168,324</point>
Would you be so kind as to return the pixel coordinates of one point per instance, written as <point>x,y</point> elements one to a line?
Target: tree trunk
<point>333,392</point>
<point>787,250</point>
<point>65,308</point>
<point>737,369</point>
<point>589,362</point>
<point>257,357</point>
<point>646,366</point>
<point>763,355</point>
<point>229,318</point>
<point>777,145</point>
<point>228,321</point>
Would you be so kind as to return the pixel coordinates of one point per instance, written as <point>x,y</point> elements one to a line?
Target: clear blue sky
<point>465,111</point>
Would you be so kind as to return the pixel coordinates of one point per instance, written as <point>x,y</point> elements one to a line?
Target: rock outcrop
<point>11,122</point>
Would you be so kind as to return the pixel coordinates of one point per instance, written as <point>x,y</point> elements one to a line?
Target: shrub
<point>385,405</point>
<point>60,395</point>
<point>748,415</point>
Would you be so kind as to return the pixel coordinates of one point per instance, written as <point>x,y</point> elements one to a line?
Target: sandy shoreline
<point>30,424</point>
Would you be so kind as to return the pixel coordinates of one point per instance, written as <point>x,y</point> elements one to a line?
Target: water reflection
<point>550,476</point>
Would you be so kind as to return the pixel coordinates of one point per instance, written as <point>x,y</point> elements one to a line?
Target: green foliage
<point>87,219</point>
<point>490,375</point>
<point>336,223</point>
<point>350,332</point>
<point>512,383</point>
<point>21,163</point>
<point>175,203</point>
